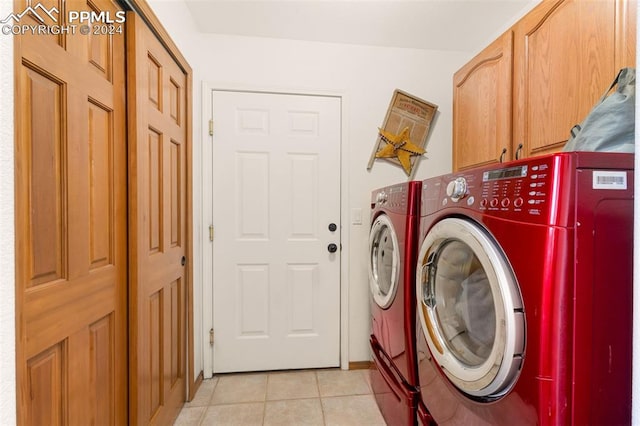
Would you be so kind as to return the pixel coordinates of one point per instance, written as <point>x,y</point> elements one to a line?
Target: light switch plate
<point>356,216</point>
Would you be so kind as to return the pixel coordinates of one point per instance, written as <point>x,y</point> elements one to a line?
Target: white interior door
<point>276,192</point>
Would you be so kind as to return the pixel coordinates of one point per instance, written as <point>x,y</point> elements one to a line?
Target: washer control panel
<point>393,198</point>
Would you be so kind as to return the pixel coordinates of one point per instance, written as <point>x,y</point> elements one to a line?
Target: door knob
<point>332,227</point>
<point>332,248</point>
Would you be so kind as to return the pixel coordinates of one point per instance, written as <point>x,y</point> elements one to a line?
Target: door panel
<point>158,188</point>
<point>42,100</point>
<point>71,264</point>
<point>276,190</point>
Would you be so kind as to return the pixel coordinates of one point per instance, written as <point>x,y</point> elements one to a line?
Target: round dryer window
<point>384,261</point>
<point>471,309</point>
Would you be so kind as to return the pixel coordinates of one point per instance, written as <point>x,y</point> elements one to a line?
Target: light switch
<point>356,216</point>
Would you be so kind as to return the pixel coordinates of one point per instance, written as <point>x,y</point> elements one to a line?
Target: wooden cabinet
<point>564,55</point>
<point>482,99</point>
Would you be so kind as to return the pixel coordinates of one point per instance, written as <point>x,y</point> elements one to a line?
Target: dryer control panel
<point>515,188</point>
<point>535,190</point>
<point>520,191</point>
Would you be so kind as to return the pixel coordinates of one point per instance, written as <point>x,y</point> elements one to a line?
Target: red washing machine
<point>393,242</point>
<point>524,292</point>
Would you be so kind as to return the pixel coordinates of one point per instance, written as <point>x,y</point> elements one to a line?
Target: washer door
<point>384,261</point>
<point>470,308</point>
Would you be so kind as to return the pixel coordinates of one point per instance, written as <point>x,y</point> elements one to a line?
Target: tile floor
<point>305,397</point>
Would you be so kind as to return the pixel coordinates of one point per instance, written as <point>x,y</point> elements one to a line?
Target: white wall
<point>366,78</point>
<point>7,259</point>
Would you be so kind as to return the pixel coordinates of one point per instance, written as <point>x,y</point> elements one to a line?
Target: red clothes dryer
<point>524,292</point>
<point>393,241</point>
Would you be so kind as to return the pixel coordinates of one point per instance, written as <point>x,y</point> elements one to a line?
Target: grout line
<point>324,417</point>
<point>215,386</point>
<point>203,415</point>
<point>264,403</point>
<point>206,407</point>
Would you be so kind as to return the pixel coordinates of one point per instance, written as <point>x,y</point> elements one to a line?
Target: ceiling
<point>459,25</point>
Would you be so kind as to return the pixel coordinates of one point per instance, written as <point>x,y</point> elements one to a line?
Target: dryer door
<point>470,308</point>
<point>384,261</point>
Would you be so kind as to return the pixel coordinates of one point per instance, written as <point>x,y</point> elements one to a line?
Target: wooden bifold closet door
<point>71,224</point>
<point>158,150</point>
<point>102,223</point>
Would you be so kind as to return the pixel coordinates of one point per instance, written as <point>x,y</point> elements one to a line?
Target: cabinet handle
<point>504,151</point>
<point>518,151</point>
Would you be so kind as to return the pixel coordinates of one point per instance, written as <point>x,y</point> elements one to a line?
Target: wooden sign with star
<point>403,136</point>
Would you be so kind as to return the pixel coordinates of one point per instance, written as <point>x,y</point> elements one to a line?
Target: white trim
<point>345,236</point>
<point>207,212</point>
<point>207,220</point>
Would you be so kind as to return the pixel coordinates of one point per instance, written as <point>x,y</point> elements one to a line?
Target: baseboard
<point>196,386</point>
<point>360,365</point>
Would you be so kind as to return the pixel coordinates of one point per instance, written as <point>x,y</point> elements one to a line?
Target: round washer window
<point>470,308</point>
<point>384,261</point>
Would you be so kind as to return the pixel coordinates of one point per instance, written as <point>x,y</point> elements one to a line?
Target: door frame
<point>207,213</point>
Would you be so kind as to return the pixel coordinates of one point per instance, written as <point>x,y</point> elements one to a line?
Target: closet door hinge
<point>210,232</point>
<point>211,337</point>
<point>210,127</point>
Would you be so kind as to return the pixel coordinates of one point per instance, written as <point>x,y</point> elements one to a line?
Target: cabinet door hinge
<point>211,337</point>
<point>210,127</point>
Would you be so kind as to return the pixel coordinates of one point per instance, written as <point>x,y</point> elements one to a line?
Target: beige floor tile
<point>367,378</point>
<point>342,382</point>
<point>240,388</point>
<point>292,385</point>
<point>298,412</point>
<point>190,416</point>
<point>284,399</point>
<point>234,415</point>
<point>203,396</point>
<point>355,410</point>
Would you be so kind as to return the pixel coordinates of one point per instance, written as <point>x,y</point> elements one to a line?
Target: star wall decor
<point>402,138</point>
<point>399,146</point>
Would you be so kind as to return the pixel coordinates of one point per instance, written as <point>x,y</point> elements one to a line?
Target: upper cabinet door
<point>482,106</point>
<point>566,53</point>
